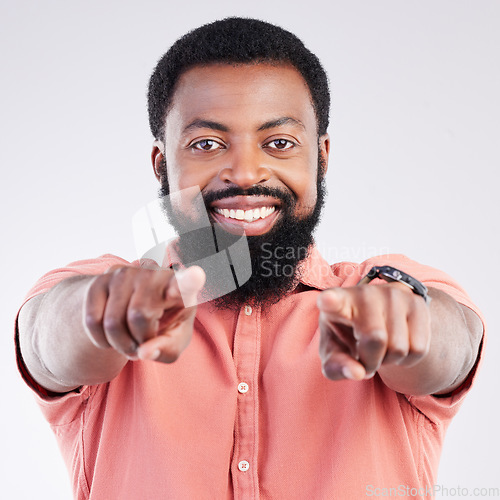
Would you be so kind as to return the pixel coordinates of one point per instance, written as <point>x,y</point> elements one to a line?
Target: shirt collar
<point>316,272</point>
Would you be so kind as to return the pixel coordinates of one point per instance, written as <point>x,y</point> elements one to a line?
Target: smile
<point>254,215</point>
<point>247,215</point>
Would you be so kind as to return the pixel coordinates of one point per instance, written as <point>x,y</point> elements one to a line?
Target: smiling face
<point>238,127</point>
<point>247,136</point>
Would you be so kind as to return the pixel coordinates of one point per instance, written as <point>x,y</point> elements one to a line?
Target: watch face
<point>396,274</point>
<point>391,274</point>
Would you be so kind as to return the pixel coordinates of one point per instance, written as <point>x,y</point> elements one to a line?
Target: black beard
<point>275,256</point>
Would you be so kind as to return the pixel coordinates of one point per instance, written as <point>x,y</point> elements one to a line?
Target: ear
<point>157,156</point>
<point>324,149</point>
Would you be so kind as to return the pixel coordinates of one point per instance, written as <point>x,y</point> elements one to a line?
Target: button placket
<point>246,356</point>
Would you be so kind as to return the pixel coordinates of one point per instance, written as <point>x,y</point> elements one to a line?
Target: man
<point>151,399</point>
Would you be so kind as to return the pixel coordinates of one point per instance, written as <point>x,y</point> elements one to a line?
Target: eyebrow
<point>284,120</point>
<point>278,122</point>
<point>198,123</point>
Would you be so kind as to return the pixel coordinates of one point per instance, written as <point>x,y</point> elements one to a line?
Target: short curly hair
<point>235,40</point>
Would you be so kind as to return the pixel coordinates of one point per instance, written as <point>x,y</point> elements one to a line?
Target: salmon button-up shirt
<point>246,413</point>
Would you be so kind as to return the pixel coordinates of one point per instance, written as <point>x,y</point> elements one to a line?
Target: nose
<point>244,167</point>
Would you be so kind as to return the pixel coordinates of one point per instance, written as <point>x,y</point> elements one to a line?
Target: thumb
<point>189,282</point>
<point>335,302</point>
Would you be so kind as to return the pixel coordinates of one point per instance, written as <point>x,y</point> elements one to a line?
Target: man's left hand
<point>366,327</point>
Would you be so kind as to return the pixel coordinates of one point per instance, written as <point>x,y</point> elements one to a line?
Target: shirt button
<point>242,387</point>
<point>243,466</point>
<point>248,310</point>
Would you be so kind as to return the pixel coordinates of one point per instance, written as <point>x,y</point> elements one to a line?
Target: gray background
<point>414,166</point>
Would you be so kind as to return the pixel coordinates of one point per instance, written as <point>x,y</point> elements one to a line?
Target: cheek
<point>188,205</point>
<point>309,197</point>
<point>175,179</point>
<point>183,174</point>
<point>303,183</point>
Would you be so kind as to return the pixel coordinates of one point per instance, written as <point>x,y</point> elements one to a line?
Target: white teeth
<point>265,212</point>
<point>250,215</point>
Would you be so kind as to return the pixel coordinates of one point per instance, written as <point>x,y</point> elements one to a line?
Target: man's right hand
<point>128,313</point>
<point>140,312</point>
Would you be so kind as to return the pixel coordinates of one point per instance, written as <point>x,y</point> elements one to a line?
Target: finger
<point>419,327</point>
<point>188,283</point>
<point>337,304</point>
<point>337,361</point>
<point>338,366</point>
<point>93,311</point>
<point>362,308</point>
<point>159,298</point>
<point>168,347</point>
<point>115,314</point>
<point>371,347</point>
<point>398,343</point>
<point>148,304</point>
<point>162,316</point>
<point>340,333</point>
<point>370,328</point>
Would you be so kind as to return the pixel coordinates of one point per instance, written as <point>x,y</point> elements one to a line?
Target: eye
<point>206,145</point>
<point>280,144</point>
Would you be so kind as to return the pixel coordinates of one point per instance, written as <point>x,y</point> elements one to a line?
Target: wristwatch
<point>391,274</point>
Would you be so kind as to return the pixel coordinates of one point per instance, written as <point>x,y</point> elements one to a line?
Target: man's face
<point>247,136</point>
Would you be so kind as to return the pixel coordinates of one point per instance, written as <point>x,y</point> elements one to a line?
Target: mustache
<point>285,196</point>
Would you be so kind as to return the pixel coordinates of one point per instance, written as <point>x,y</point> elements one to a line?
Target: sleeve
<point>60,409</point>
<point>80,267</point>
<point>436,408</point>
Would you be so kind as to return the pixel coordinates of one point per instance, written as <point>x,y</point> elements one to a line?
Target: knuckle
<point>418,350</point>
<point>371,352</point>
<point>366,293</point>
<point>398,294</point>
<point>121,270</point>
<point>121,274</point>
<point>396,354</point>
<point>375,339</point>
<point>96,284</point>
<point>170,354</point>
<point>137,316</point>
<point>92,322</point>
<point>397,351</point>
<point>173,355</point>
<point>394,293</point>
<point>422,309</point>
<point>332,371</point>
<point>113,325</point>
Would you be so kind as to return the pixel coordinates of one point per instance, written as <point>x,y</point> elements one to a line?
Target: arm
<point>416,349</point>
<point>85,329</point>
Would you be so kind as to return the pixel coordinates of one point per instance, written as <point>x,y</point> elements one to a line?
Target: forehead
<point>249,93</point>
